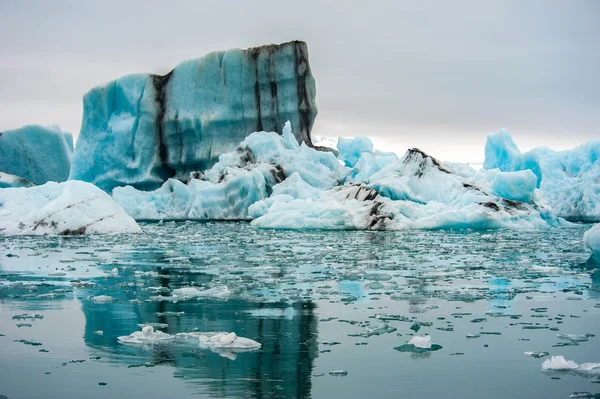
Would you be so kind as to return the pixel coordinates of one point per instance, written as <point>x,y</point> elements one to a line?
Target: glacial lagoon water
<point>332,311</point>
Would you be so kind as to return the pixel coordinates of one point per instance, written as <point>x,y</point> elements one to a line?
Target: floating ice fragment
<point>423,342</point>
<point>146,336</point>
<point>102,299</point>
<point>581,395</point>
<point>559,363</point>
<point>575,337</point>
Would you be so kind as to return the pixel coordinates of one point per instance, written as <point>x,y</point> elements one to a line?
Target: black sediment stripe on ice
<point>160,84</point>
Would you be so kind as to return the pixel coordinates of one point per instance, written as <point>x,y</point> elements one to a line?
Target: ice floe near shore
<point>69,208</point>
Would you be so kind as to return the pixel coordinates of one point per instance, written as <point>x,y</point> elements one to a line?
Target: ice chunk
<point>516,186</point>
<point>416,192</point>
<point>423,342</point>
<point>141,129</point>
<point>68,208</point>
<point>198,200</point>
<point>35,153</point>
<point>102,299</point>
<point>8,181</point>
<point>350,150</point>
<point>569,180</point>
<point>559,363</point>
<point>240,179</point>
<point>218,291</point>
<point>591,239</point>
<point>220,340</point>
<point>147,336</point>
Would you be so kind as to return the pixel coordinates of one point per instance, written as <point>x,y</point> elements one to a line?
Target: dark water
<point>317,301</point>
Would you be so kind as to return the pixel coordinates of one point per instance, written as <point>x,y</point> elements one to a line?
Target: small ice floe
<point>153,325</point>
<point>537,355</point>
<point>423,342</point>
<point>419,344</point>
<point>575,337</point>
<point>226,344</point>
<point>186,293</point>
<point>559,363</point>
<point>146,336</point>
<point>102,299</point>
<point>221,340</point>
<point>581,395</point>
<point>57,273</point>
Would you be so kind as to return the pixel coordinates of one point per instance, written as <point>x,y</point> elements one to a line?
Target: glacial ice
<point>569,180</point>
<point>35,154</point>
<point>559,363</point>
<point>280,184</point>
<point>67,208</point>
<point>142,129</point>
<point>591,239</point>
<point>238,180</point>
<point>8,181</point>
<point>415,192</point>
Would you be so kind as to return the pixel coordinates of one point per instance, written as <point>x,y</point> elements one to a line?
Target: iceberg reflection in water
<point>328,309</point>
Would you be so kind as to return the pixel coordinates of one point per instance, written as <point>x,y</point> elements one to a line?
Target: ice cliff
<point>141,130</point>
<point>278,183</point>
<point>69,208</point>
<point>34,155</point>
<point>568,180</point>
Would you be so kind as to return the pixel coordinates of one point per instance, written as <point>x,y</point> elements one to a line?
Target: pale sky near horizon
<point>437,75</point>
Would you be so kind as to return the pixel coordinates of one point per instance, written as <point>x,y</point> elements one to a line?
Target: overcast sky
<point>438,75</point>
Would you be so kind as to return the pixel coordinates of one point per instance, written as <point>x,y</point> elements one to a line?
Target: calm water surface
<point>317,301</point>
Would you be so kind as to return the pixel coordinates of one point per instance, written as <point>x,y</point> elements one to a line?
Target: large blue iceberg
<point>278,183</point>
<point>34,155</point>
<point>568,180</point>
<point>141,130</point>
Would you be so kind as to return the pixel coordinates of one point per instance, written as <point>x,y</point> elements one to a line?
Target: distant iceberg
<point>143,129</point>
<point>280,184</point>
<point>34,155</point>
<point>69,208</point>
<point>568,180</point>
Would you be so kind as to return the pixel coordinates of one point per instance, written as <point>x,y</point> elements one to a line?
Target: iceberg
<point>68,208</point>
<point>568,180</point>
<point>238,180</point>
<point>34,154</point>
<point>415,192</point>
<point>143,129</point>
<point>591,239</point>
<point>277,183</point>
